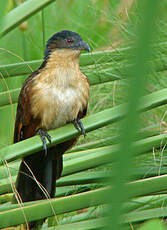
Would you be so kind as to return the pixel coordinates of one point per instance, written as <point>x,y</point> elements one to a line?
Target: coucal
<point>52,96</point>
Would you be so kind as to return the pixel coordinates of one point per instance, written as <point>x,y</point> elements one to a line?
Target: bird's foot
<point>43,135</point>
<point>79,126</point>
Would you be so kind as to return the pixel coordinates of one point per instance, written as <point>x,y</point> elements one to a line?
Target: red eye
<point>68,41</point>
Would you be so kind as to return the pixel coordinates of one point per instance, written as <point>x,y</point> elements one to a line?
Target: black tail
<point>46,169</point>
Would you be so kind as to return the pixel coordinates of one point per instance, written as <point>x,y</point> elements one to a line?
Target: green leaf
<point>93,122</point>
<point>137,75</point>
<point>21,13</point>
<point>153,225</point>
<point>95,224</point>
<point>102,57</point>
<point>44,209</point>
<point>3,8</point>
<point>145,215</point>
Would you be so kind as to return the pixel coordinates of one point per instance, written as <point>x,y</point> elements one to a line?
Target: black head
<point>66,39</point>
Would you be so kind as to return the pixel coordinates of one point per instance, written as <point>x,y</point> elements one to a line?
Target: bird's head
<point>66,40</point>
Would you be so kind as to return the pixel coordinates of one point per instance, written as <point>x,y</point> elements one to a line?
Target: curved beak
<point>84,46</point>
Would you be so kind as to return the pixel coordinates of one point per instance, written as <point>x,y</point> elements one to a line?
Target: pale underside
<point>65,91</point>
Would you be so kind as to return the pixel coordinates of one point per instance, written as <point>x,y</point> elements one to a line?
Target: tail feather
<point>38,168</point>
<point>30,170</point>
<point>45,169</point>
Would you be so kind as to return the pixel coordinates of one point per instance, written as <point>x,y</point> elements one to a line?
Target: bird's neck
<point>63,59</point>
<point>61,70</point>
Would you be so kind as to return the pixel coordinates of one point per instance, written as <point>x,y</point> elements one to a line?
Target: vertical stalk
<point>3,9</point>
<point>43,29</point>
<point>123,167</point>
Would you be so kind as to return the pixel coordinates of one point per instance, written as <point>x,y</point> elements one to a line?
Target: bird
<point>56,94</point>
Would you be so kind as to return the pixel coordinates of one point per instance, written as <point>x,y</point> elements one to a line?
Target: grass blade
<point>61,205</point>
<point>124,166</point>
<point>21,13</point>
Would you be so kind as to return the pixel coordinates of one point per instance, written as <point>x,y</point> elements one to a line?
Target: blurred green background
<point>105,25</point>
<point>108,25</point>
<point>94,20</point>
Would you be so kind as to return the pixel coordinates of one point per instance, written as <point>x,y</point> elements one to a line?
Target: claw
<point>79,126</point>
<point>43,135</point>
<point>76,124</point>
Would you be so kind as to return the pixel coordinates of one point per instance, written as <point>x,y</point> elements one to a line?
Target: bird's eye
<point>69,41</point>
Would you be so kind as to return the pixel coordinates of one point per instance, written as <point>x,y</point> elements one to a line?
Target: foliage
<point>120,153</point>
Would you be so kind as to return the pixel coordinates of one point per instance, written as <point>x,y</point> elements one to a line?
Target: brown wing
<point>25,125</point>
